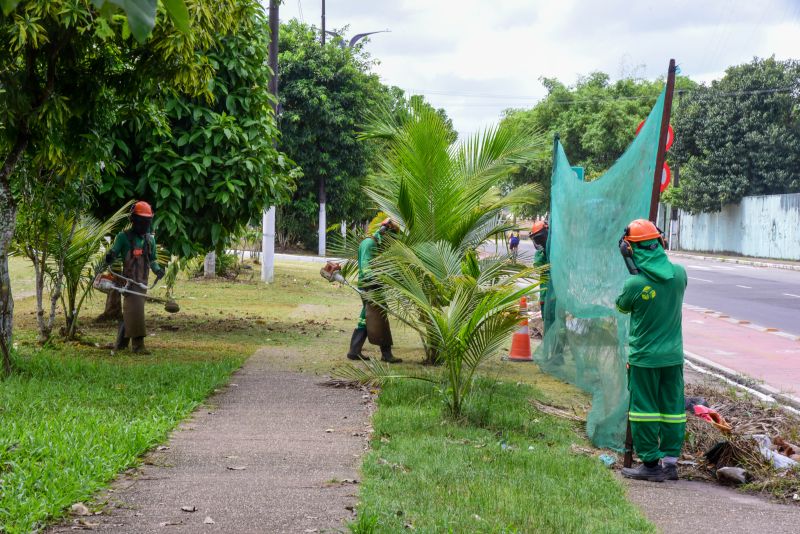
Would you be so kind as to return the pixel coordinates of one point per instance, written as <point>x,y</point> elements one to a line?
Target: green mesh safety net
<point>585,339</point>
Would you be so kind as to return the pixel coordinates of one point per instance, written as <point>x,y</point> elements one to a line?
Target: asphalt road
<point>761,295</point>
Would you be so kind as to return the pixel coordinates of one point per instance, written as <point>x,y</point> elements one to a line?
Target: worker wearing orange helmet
<point>539,234</point>
<point>653,296</point>
<point>137,248</point>
<point>366,252</point>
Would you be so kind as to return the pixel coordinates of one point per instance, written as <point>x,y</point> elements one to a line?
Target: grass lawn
<point>505,468</point>
<point>75,415</point>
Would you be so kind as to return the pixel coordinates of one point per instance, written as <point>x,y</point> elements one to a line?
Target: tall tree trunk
<point>8,220</point>
<point>8,214</point>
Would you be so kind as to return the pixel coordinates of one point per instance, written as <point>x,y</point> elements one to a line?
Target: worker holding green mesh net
<point>653,296</point>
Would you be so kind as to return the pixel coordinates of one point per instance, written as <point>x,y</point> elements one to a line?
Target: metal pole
<point>321,195</point>
<point>268,217</point>
<point>662,141</point>
<point>321,192</point>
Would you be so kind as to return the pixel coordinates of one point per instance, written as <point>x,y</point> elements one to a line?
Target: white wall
<point>763,226</point>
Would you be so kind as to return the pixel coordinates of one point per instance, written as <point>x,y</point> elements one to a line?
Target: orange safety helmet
<point>538,226</point>
<point>142,209</point>
<point>642,230</point>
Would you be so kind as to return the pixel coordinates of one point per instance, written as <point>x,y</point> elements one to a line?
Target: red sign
<point>670,134</point>
<point>666,176</point>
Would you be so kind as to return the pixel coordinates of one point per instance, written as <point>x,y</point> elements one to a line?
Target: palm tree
<point>438,191</point>
<point>467,309</point>
<point>443,192</point>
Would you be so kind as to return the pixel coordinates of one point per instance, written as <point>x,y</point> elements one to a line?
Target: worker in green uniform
<point>653,296</point>
<point>366,252</point>
<point>539,234</point>
<point>137,248</point>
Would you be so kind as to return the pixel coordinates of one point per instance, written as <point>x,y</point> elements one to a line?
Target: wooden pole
<point>662,141</point>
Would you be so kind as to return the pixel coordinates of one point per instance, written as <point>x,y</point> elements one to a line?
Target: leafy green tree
<point>740,136</point>
<point>208,164</point>
<point>67,74</point>
<point>325,95</point>
<point>596,120</point>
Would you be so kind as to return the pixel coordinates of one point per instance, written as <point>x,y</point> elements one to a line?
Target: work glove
<point>109,259</point>
<point>160,274</point>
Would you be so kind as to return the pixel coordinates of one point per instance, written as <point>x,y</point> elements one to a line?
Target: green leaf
<point>179,14</point>
<point>141,16</point>
<point>8,6</point>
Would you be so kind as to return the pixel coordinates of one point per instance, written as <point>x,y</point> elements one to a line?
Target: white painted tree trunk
<point>210,265</point>
<point>268,246</point>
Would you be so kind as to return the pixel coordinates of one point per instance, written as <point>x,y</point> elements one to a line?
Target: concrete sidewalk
<point>274,452</point>
<point>684,506</point>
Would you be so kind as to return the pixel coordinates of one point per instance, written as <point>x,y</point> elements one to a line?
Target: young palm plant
<point>437,191</point>
<point>443,192</point>
<point>85,249</point>
<point>466,308</point>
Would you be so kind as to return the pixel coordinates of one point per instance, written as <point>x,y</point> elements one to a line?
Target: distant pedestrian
<point>653,296</point>
<point>513,246</point>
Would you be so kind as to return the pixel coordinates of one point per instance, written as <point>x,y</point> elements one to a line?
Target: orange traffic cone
<point>521,340</point>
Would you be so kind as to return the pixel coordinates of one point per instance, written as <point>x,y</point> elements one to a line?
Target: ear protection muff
<point>626,248</point>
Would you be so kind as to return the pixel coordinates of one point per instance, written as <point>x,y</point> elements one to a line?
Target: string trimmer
<point>105,283</point>
<point>332,273</point>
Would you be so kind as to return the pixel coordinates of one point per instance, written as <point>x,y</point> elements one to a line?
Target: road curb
<point>728,259</point>
<point>743,380</point>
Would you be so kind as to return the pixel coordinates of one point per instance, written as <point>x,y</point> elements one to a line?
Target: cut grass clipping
<point>506,467</point>
<point>68,425</point>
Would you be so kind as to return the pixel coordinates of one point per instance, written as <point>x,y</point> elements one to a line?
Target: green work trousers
<point>657,413</point>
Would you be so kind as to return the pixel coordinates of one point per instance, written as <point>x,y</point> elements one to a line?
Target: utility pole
<point>321,195</point>
<point>268,218</point>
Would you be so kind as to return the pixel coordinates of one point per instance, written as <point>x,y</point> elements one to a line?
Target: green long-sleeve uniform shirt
<point>656,338</point>
<point>541,260</point>
<point>366,251</point>
<point>122,246</point>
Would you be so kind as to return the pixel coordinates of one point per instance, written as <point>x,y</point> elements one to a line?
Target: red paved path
<point>761,355</point>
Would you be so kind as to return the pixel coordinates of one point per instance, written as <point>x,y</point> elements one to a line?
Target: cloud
<point>476,58</point>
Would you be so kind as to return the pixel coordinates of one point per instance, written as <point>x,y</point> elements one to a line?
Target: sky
<point>476,58</point>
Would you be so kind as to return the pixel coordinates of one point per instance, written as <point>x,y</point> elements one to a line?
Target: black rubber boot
<point>122,341</point>
<point>670,471</point>
<point>651,473</point>
<point>137,346</point>
<point>386,355</point>
<point>357,341</point>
